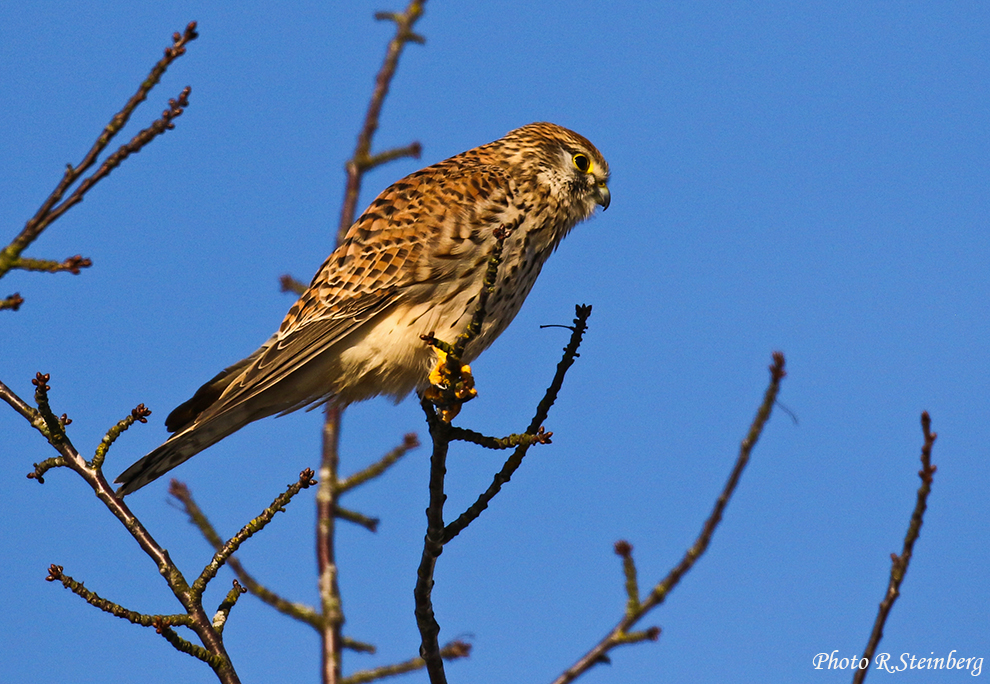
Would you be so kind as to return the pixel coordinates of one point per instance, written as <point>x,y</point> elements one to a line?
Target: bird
<point>412,265</point>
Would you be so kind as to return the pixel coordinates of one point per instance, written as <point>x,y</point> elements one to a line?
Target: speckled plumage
<point>412,264</point>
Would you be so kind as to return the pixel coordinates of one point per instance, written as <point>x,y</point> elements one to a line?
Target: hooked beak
<point>603,196</point>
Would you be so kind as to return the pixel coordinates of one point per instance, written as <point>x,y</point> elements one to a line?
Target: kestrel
<point>412,264</point>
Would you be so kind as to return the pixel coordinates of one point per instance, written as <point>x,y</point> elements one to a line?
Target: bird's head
<point>566,165</point>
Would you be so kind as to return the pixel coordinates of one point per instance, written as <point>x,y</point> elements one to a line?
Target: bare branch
<point>899,564</point>
<point>582,313</point>
<point>298,611</point>
<point>43,419</point>
<point>220,557</point>
<point>362,160</point>
<point>54,207</point>
<point>441,404</point>
<point>437,534</point>
<point>620,634</point>
<point>331,626</point>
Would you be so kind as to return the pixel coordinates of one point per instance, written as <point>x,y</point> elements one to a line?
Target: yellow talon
<point>448,390</point>
<point>465,389</point>
<point>439,369</point>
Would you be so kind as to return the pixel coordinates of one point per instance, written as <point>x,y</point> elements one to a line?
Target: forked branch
<point>636,609</point>
<point>52,428</point>
<point>55,206</point>
<point>436,405</point>
<point>360,163</point>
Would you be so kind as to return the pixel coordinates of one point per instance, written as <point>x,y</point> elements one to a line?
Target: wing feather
<point>414,233</point>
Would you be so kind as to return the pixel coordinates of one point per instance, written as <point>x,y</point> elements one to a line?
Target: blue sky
<point>808,177</point>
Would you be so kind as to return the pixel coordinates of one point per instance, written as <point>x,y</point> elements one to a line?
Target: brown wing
<point>410,235</point>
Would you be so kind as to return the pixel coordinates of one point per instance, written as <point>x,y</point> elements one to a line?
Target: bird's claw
<point>450,387</point>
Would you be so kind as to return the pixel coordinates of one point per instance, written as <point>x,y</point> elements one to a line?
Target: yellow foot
<point>439,369</point>
<point>449,388</point>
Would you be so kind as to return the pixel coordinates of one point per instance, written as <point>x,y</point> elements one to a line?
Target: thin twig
<point>299,611</point>
<point>409,442</point>
<point>362,160</point>
<point>289,284</point>
<point>620,634</point>
<point>899,564</point>
<point>623,549</point>
<point>180,644</point>
<point>19,405</point>
<point>176,106</point>
<point>365,521</point>
<point>582,313</point>
<point>227,550</point>
<point>500,443</point>
<point>12,302</point>
<point>139,414</point>
<point>223,612</point>
<point>71,265</point>
<point>56,574</point>
<point>452,651</point>
<point>54,207</point>
<point>212,652</point>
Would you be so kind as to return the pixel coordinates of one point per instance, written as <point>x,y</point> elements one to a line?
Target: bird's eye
<point>581,162</point>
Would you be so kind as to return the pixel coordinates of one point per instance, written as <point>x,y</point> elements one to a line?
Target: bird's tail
<point>179,448</point>
<point>225,404</point>
<point>201,421</point>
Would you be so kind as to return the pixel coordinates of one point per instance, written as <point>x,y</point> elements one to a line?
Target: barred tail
<point>179,448</point>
